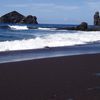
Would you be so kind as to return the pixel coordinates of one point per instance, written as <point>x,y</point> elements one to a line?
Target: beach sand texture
<point>58,78</point>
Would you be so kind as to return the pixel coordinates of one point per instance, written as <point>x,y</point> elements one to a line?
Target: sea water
<point>46,38</point>
<point>21,37</point>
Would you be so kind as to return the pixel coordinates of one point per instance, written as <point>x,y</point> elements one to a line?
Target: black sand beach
<point>58,78</point>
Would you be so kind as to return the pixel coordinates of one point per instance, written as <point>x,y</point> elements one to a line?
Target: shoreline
<point>48,52</point>
<point>59,78</point>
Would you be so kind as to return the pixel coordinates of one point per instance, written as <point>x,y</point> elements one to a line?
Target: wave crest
<point>41,28</point>
<point>17,27</point>
<point>51,40</point>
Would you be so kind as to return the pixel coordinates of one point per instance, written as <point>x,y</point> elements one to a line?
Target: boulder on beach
<point>15,17</point>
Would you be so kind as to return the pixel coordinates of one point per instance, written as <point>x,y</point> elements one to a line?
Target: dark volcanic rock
<point>29,20</point>
<point>15,17</point>
<point>12,17</point>
<point>96,18</point>
<point>83,26</point>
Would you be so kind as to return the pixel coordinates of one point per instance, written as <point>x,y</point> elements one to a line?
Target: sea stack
<point>96,18</point>
<point>15,17</point>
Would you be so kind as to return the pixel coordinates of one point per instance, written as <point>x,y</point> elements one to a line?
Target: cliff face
<point>16,17</point>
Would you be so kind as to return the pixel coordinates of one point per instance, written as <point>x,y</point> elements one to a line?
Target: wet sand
<point>57,78</point>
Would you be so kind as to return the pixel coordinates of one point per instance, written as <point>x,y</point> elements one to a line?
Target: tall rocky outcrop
<point>16,17</point>
<point>96,18</point>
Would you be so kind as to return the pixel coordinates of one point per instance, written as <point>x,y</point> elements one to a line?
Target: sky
<point>54,11</point>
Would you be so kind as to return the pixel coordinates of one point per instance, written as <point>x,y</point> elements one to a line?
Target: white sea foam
<point>40,28</point>
<point>17,27</point>
<point>51,40</point>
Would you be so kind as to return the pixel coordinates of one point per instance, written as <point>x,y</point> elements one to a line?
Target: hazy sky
<point>54,11</point>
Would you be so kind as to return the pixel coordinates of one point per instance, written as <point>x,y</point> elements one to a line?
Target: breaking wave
<point>17,27</point>
<point>51,40</point>
<point>41,28</point>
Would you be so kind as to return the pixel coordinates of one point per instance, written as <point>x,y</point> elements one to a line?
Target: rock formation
<point>96,18</point>
<point>83,26</point>
<point>29,20</point>
<point>15,17</point>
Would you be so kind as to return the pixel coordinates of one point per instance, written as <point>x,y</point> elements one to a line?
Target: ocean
<point>44,40</point>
